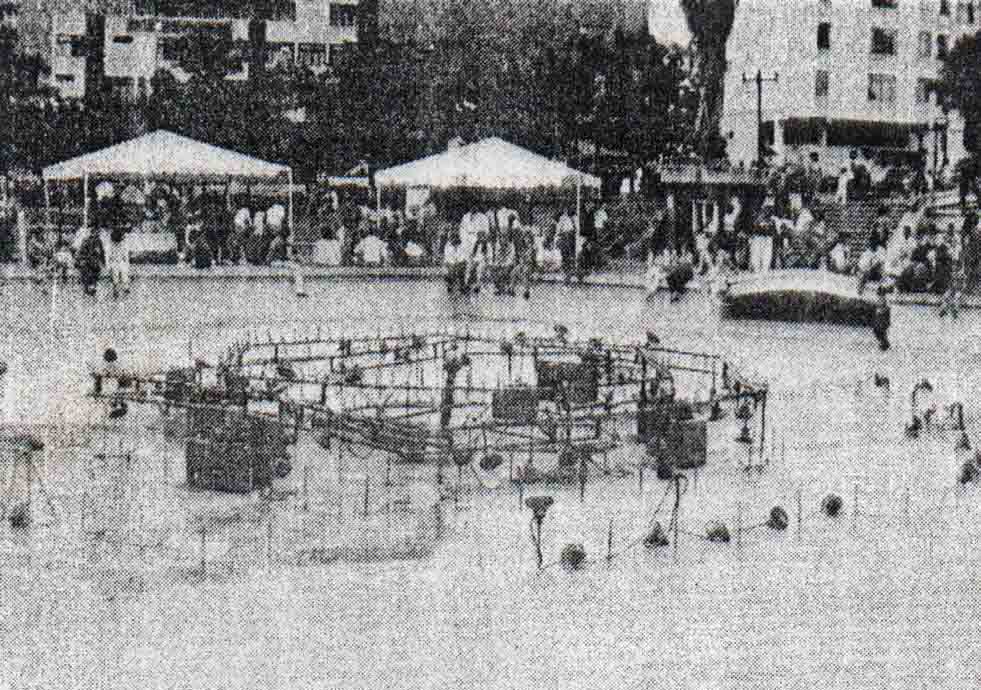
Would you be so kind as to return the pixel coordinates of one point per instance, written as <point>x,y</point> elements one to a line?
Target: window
<point>312,55</point>
<point>941,47</point>
<point>278,54</point>
<point>925,45</point>
<point>343,15</point>
<point>945,7</point>
<point>71,45</point>
<point>824,36</point>
<point>882,89</point>
<point>885,3</point>
<point>923,89</point>
<point>64,78</point>
<point>123,39</point>
<point>168,50</point>
<point>965,12</point>
<point>339,52</point>
<point>883,41</point>
<point>822,81</point>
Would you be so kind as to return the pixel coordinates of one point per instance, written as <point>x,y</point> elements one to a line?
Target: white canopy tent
<point>163,155</point>
<point>491,164</point>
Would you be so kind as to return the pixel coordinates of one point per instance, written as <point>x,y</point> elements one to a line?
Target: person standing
<point>565,238</point>
<point>91,259</point>
<point>882,320</point>
<point>117,260</point>
<point>476,246</point>
<point>761,243</point>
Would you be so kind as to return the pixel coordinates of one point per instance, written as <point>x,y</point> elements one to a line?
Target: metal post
<point>854,506</point>
<point>204,546</point>
<point>609,545</point>
<point>800,515</point>
<point>306,482</point>
<point>85,201</point>
<point>292,232</point>
<point>763,427</point>
<point>578,216</point>
<point>677,513</point>
<point>366,496</point>
<point>739,524</point>
<point>759,80</point>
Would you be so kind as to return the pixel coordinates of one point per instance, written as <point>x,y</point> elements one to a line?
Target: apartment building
<point>9,13</point>
<point>123,50</point>
<point>851,75</point>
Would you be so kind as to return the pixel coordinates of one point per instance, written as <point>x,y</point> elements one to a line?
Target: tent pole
<point>47,209</point>
<point>85,200</point>
<point>292,233</point>
<point>578,216</point>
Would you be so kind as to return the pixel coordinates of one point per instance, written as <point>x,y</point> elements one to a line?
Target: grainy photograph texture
<point>490,344</point>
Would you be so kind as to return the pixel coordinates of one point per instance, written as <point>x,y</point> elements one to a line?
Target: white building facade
<point>851,76</point>
<point>128,49</point>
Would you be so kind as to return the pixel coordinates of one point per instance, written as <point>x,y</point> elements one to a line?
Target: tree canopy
<point>553,82</point>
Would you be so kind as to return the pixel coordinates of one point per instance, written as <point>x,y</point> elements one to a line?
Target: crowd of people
<point>481,243</point>
<point>910,253</point>
<point>205,232</point>
<point>488,244</point>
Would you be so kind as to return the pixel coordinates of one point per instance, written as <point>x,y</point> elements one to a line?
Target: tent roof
<point>487,164</point>
<point>163,154</point>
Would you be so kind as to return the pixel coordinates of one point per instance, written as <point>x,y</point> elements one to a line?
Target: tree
<point>959,88</point>
<point>710,23</point>
<point>22,93</point>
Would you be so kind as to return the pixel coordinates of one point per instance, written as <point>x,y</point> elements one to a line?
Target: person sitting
<point>918,272</point>
<point>871,263</point>
<point>255,246</point>
<point>234,247</point>
<point>275,217</point>
<point>277,253</point>
<point>657,268</point>
<point>371,251</point>
<point>63,260</point>
<point>899,252</point>
<point>838,258</point>
<point>38,255</point>
<point>415,255</point>
<point>679,272</point>
<point>327,252</point>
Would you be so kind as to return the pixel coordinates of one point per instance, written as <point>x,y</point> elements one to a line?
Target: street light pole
<point>759,79</point>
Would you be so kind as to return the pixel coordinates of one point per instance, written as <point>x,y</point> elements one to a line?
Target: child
<point>62,260</point>
<point>656,271</point>
<point>39,256</point>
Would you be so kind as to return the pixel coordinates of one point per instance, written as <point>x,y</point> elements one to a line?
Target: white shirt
<point>117,253</point>
<point>327,253</point>
<point>600,219</point>
<point>243,218</point>
<point>413,250</point>
<point>372,249</point>
<point>804,221</point>
<point>275,216</point>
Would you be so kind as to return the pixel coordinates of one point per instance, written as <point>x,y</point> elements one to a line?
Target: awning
<point>487,164</point>
<point>165,155</point>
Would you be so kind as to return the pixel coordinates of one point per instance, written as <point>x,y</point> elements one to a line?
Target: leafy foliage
<point>549,82</point>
